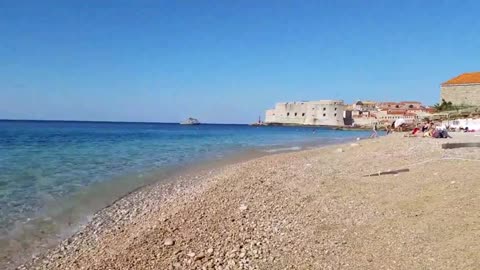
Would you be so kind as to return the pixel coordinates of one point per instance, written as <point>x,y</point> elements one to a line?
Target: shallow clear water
<point>42,163</point>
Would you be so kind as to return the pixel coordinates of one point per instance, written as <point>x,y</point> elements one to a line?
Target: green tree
<point>444,106</point>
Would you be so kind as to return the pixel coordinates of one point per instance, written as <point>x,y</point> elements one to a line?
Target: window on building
<point>295,114</point>
<point>324,108</point>
<point>335,109</point>
<point>303,114</point>
<point>410,106</point>
<point>324,115</point>
<point>288,114</point>
<point>396,106</point>
<point>335,115</point>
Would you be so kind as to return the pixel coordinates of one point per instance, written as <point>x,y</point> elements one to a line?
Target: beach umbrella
<point>399,122</point>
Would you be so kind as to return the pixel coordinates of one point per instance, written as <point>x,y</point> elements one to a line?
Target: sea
<point>55,174</point>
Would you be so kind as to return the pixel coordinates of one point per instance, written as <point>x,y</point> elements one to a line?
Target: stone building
<point>364,106</point>
<point>462,90</point>
<point>402,105</point>
<point>366,113</point>
<point>310,113</point>
<point>390,116</point>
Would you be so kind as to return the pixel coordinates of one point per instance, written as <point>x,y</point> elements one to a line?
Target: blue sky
<point>224,61</point>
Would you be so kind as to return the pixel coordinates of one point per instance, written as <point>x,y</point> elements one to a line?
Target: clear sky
<point>225,61</point>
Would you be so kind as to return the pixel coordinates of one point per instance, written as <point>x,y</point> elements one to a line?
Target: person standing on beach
<point>374,133</point>
<point>388,129</point>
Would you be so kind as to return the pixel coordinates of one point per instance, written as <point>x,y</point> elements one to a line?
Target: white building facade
<point>309,113</point>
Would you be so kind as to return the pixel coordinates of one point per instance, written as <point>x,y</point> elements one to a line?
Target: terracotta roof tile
<point>399,112</point>
<point>465,78</point>
<point>408,102</point>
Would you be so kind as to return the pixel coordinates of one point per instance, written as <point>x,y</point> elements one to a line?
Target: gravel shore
<point>313,209</point>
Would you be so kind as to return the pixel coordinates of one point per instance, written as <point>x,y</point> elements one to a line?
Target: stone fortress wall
<point>461,94</point>
<point>310,113</point>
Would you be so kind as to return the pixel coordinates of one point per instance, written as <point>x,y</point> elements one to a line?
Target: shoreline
<point>168,178</point>
<point>344,128</point>
<point>178,210</point>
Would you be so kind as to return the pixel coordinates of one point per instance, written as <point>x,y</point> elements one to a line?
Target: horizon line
<point>107,121</point>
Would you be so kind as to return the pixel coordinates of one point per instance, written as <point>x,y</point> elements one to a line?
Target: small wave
<point>274,150</point>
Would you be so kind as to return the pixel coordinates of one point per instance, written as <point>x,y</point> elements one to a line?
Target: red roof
<point>465,78</point>
<point>410,102</point>
<point>401,112</point>
<point>416,109</point>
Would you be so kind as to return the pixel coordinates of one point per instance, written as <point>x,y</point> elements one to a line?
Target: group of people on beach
<point>428,129</point>
<point>397,125</point>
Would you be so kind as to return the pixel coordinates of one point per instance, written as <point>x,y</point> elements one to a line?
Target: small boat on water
<point>190,121</point>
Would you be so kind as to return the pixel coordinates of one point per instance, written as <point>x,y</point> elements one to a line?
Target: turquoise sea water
<point>43,163</point>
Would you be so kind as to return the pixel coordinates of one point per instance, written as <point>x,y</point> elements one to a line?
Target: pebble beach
<point>325,208</point>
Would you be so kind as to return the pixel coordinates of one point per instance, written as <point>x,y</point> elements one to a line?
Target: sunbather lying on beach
<point>415,133</point>
<point>437,132</point>
<point>443,133</point>
<point>434,131</point>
